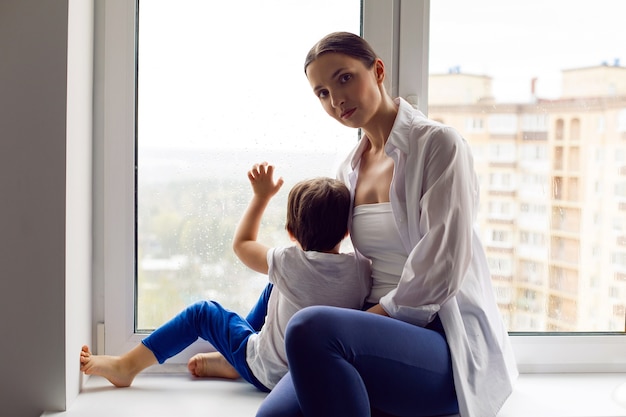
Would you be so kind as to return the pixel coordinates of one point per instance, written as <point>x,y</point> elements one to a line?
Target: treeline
<point>184,246</point>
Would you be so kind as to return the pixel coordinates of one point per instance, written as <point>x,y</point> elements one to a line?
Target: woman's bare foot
<point>212,364</point>
<point>119,370</point>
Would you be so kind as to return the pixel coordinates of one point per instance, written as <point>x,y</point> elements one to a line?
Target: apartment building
<point>553,194</point>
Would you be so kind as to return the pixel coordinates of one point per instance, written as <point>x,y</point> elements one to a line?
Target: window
<point>185,127</point>
<point>558,132</point>
<point>543,98</point>
<point>533,153</point>
<point>500,182</point>
<point>575,129</point>
<point>621,120</point>
<point>535,123</point>
<point>541,122</point>
<point>601,124</point>
<point>502,152</point>
<point>223,89</point>
<point>503,124</point>
<point>500,210</point>
<point>474,124</point>
<point>395,28</point>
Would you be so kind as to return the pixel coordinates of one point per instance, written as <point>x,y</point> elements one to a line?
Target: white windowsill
<point>167,394</point>
<point>567,395</point>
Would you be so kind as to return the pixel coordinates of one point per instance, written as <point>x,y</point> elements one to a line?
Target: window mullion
<point>413,53</point>
<point>118,126</point>
<point>381,29</point>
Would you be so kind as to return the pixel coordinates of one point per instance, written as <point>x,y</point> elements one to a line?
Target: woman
<point>432,341</point>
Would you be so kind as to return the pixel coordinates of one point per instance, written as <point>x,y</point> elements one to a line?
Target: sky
<point>239,73</point>
<point>514,41</point>
<point>232,77</point>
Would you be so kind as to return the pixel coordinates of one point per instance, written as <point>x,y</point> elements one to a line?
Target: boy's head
<point>317,213</point>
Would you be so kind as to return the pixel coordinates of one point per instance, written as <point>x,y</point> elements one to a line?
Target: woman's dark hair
<point>344,43</point>
<point>317,213</point>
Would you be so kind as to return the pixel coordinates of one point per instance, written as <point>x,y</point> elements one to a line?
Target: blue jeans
<point>350,363</point>
<point>227,331</point>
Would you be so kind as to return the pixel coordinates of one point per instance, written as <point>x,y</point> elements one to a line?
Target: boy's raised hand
<point>251,252</point>
<point>261,178</point>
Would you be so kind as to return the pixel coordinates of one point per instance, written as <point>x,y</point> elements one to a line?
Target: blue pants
<point>227,331</point>
<point>350,363</point>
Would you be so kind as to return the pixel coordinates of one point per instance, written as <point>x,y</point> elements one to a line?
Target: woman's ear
<point>379,69</point>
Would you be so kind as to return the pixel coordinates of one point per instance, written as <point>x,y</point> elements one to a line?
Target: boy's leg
<point>211,365</point>
<point>119,370</point>
<point>225,330</point>
<point>256,316</point>
<point>206,364</point>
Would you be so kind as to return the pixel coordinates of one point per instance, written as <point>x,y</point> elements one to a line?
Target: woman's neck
<point>379,128</point>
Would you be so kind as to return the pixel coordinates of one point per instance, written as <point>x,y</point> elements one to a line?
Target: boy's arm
<point>252,253</point>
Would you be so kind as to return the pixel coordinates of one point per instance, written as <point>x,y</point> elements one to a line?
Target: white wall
<point>45,215</point>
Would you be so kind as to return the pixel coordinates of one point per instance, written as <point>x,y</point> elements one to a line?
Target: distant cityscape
<point>553,199</point>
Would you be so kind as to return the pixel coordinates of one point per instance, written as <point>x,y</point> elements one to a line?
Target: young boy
<point>312,272</point>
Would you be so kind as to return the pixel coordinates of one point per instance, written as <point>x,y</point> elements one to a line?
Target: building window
<point>621,121</point>
<point>502,153</point>
<point>535,123</point>
<point>474,124</point>
<point>575,129</point>
<point>559,129</point>
<point>601,124</point>
<point>502,124</point>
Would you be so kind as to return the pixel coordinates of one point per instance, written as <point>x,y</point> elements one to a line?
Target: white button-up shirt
<point>434,197</point>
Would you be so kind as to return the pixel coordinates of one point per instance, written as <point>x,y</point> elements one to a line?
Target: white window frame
<point>394,28</point>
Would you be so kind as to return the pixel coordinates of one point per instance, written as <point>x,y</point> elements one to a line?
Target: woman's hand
<point>377,309</point>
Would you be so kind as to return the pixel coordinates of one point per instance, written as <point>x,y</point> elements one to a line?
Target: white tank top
<point>375,235</point>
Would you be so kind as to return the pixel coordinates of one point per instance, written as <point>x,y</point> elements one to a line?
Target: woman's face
<point>349,91</point>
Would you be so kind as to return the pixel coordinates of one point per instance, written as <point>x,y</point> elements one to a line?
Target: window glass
<point>548,81</point>
<point>221,86</point>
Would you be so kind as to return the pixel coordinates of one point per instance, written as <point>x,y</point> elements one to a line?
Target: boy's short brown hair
<point>317,213</point>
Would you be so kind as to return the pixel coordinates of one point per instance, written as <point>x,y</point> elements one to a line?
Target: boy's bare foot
<point>119,370</point>
<point>212,364</point>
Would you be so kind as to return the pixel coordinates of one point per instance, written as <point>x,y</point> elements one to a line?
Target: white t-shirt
<point>302,279</point>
